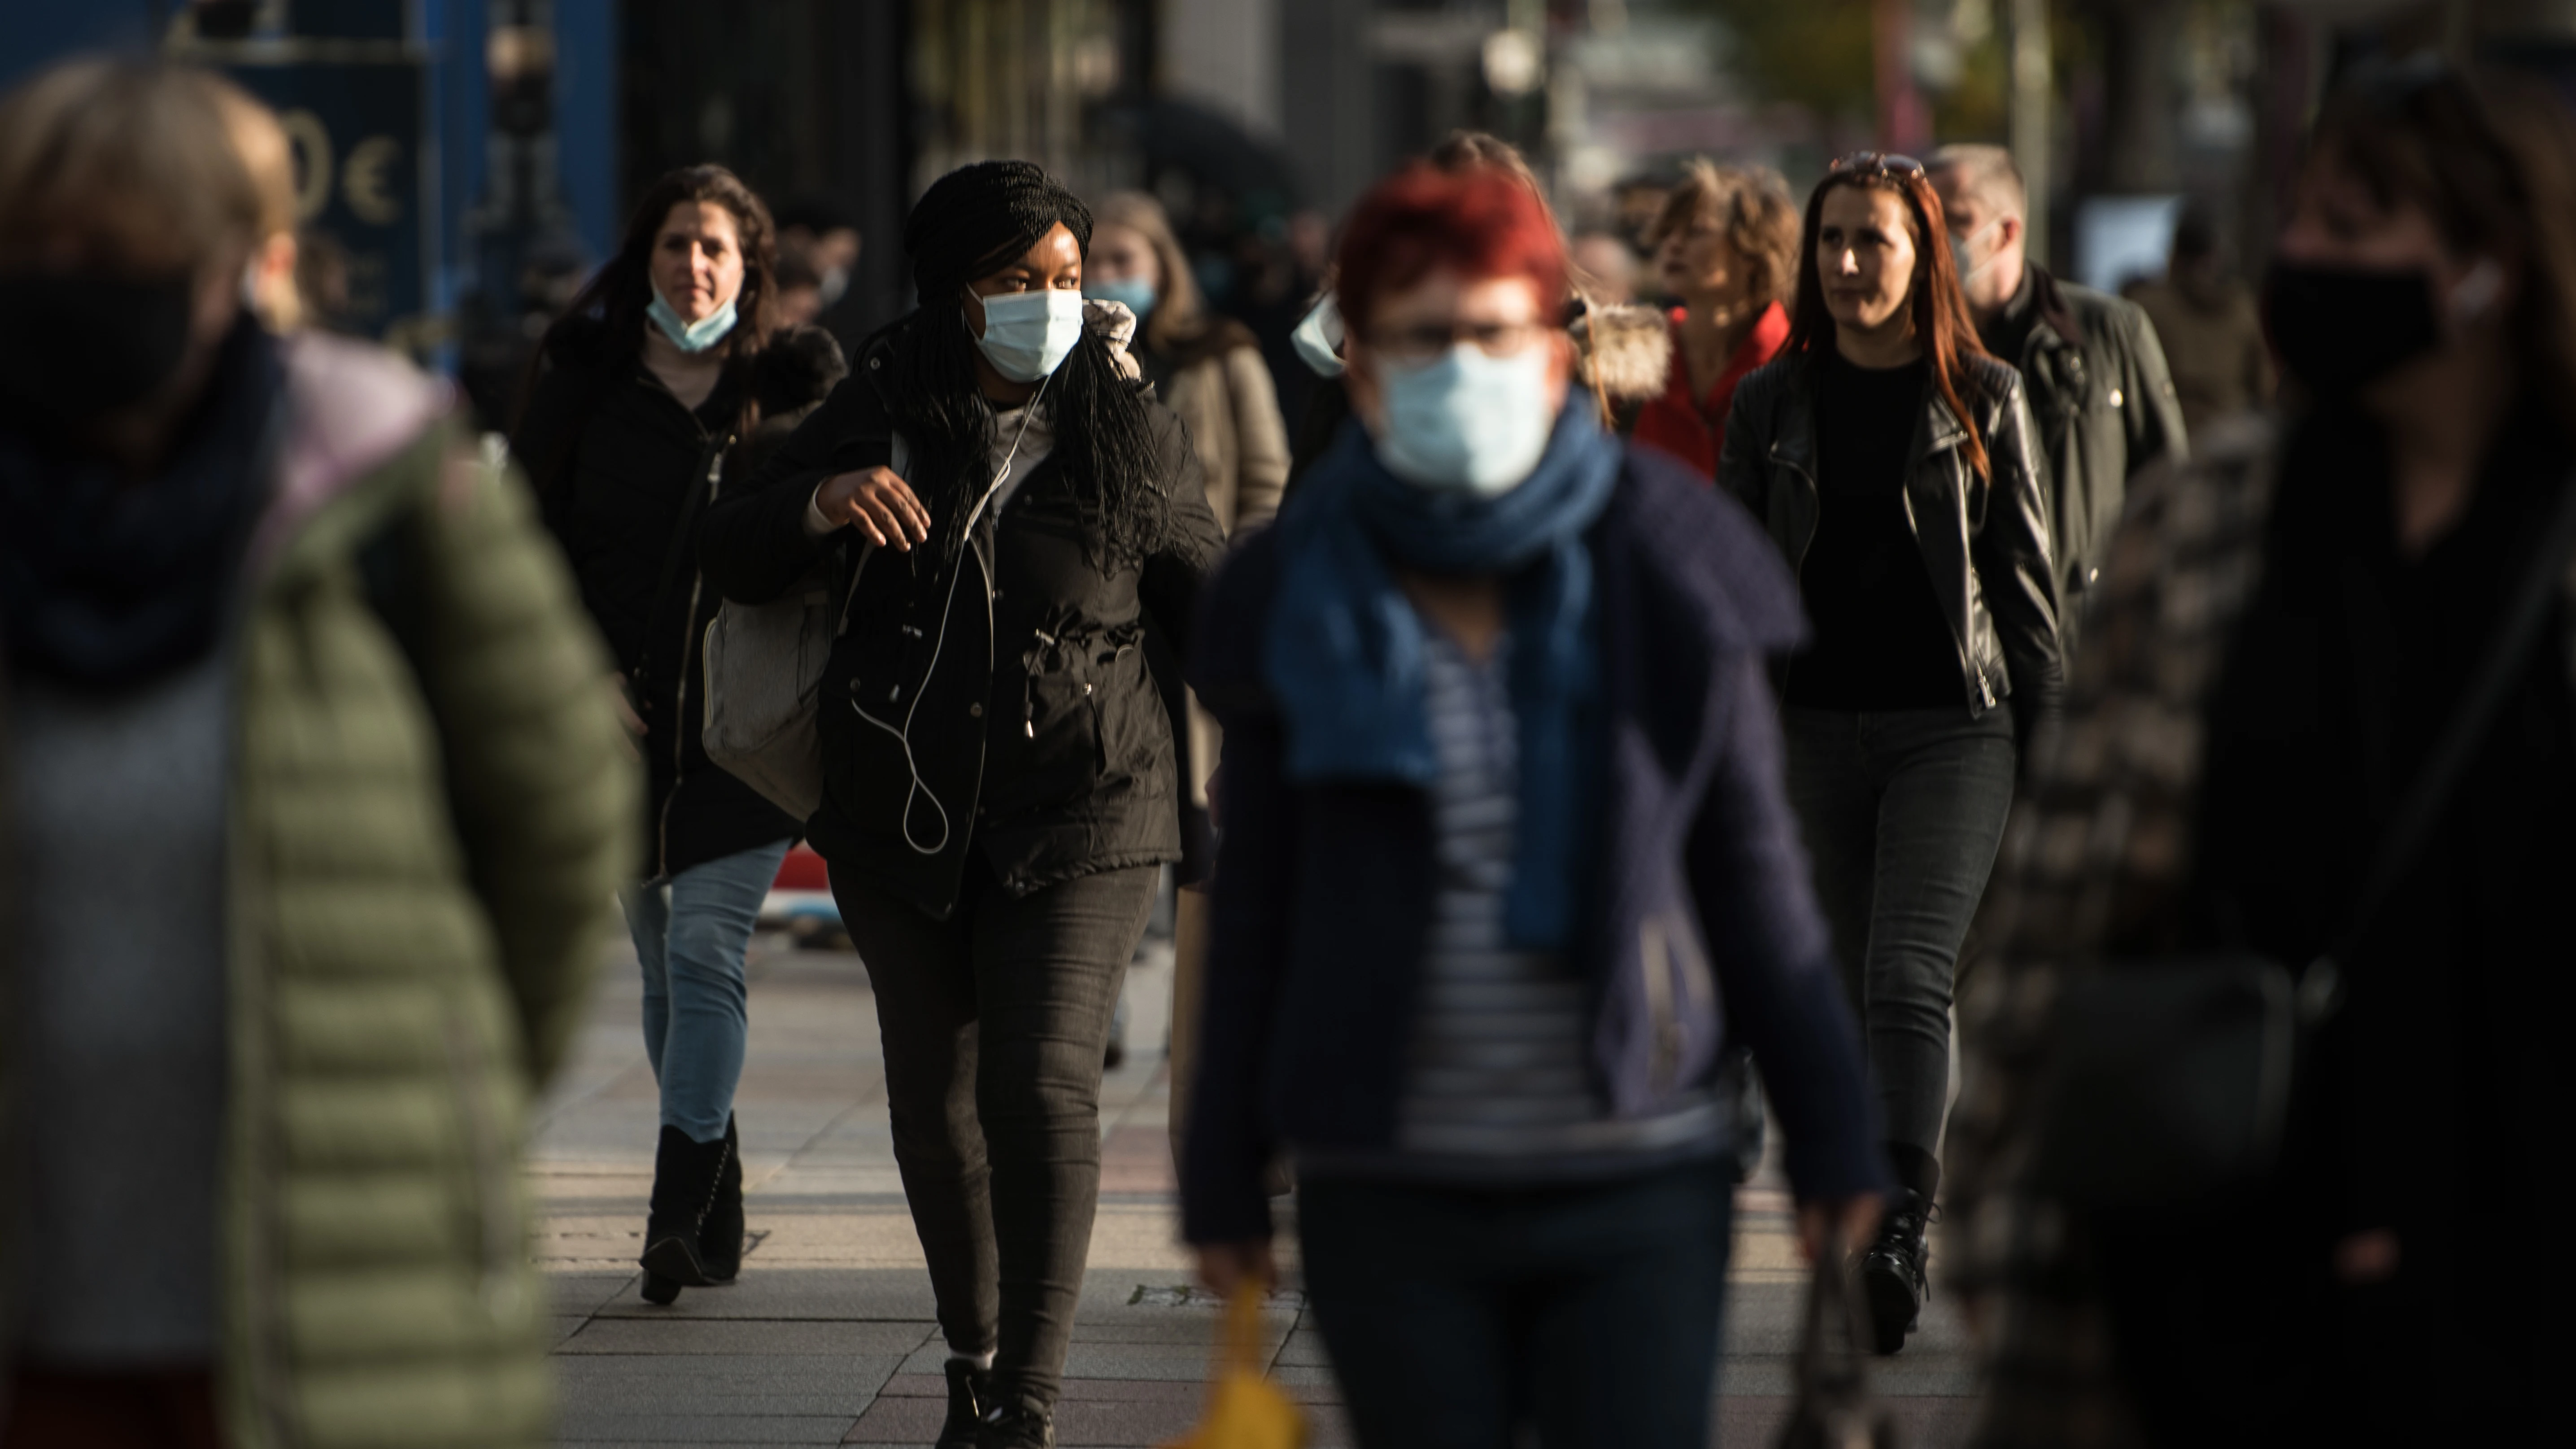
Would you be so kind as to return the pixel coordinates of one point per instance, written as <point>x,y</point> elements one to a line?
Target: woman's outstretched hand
<point>1224,1267</point>
<point>878,504</point>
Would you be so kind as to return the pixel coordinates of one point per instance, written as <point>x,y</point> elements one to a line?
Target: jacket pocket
<point>1049,752</point>
<point>1127,709</point>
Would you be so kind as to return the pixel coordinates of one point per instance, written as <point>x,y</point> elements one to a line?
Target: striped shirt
<point>1498,1078</point>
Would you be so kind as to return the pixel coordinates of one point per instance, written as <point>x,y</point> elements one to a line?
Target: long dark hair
<point>1104,436</point>
<point>1942,322</point>
<point>617,297</point>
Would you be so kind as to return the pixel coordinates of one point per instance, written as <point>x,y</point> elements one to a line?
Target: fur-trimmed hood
<point>1629,349</point>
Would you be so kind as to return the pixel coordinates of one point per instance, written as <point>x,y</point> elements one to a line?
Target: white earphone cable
<point>920,787</point>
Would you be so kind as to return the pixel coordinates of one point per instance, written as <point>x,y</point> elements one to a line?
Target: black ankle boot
<point>1015,1426</point>
<point>720,1241</point>
<point>1892,1271</point>
<point>968,1388</point>
<point>685,1175</point>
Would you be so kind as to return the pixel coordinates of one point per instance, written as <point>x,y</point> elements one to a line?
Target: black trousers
<point>1586,1316</point>
<point>994,1023</point>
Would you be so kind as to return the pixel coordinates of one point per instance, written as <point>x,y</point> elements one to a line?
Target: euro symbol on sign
<point>362,181</point>
<point>311,143</point>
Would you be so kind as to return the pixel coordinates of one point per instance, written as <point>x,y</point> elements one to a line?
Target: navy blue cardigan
<point>1323,893</point>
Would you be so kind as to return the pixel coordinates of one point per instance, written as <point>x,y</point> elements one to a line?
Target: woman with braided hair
<point>1006,507</point>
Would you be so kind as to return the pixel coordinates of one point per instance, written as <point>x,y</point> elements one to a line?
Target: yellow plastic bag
<point>1245,1410</point>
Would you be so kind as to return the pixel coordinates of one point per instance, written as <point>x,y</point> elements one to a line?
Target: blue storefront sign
<point>362,178</point>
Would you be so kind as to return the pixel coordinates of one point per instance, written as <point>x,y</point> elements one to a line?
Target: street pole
<point>2033,101</point>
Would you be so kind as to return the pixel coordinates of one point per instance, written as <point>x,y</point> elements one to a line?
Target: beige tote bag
<point>764,679</point>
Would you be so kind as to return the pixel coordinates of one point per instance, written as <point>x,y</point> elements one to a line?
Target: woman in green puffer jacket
<point>314,815</point>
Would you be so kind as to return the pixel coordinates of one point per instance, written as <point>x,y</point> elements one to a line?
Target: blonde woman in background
<point>1208,369</point>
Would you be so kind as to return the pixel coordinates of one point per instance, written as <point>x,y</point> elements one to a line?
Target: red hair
<point>1942,322</point>
<point>1480,224</point>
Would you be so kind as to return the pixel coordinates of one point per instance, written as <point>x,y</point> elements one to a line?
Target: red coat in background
<point>1692,429</point>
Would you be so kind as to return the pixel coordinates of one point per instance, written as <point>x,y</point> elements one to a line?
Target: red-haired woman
<point>1507,860</point>
<point>1890,458</point>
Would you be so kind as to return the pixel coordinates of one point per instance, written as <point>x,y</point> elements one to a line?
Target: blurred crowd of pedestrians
<point>1583,729</point>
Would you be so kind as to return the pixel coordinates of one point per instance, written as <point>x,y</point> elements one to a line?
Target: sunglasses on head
<point>1877,163</point>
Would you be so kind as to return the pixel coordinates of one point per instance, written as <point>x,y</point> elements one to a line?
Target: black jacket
<point>1985,539</point>
<point>616,459</point>
<point>1039,737</point>
<point>2105,406</point>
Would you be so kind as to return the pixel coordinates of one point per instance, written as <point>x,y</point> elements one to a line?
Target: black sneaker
<point>968,1387</point>
<point>1892,1272</point>
<point>1015,1426</point>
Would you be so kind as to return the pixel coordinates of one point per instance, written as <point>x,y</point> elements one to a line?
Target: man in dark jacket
<point>2091,363</point>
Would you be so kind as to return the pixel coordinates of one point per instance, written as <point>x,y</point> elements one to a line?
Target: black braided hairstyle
<point>972,222</point>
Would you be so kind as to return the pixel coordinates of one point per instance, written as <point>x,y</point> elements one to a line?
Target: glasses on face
<point>1878,163</point>
<point>1429,341</point>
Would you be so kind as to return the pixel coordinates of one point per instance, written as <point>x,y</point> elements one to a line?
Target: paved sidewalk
<point>828,1338</point>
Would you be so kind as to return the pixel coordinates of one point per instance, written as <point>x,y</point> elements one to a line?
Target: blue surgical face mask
<point>1318,339</point>
<point>1135,293</point>
<point>1028,335</point>
<point>1468,422</point>
<point>695,336</point>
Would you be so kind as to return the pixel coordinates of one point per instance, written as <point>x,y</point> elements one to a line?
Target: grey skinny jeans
<point>1902,811</point>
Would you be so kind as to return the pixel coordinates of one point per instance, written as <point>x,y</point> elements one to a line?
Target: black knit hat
<point>976,218</point>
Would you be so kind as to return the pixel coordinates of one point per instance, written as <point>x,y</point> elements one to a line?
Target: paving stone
<point>765,1291</point>
<point>832,1376</point>
<point>708,1429</point>
<point>677,1336</point>
<point>583,1293</point>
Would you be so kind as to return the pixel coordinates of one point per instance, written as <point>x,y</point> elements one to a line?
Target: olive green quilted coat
<point>430,815</point>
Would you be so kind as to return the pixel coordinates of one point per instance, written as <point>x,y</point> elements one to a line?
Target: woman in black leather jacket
<point>999,787</point>
<point>1890,458</point>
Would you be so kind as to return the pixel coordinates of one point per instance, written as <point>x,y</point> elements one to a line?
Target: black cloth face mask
<point>85,345</point>
<point>2340,329</point>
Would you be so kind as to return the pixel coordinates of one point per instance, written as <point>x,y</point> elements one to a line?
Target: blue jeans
<point>1455,1316</point>
<point>690,936</point>
<point>1902,812</point>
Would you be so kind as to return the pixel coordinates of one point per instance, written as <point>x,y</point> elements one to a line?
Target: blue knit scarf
<point>1344,651</point>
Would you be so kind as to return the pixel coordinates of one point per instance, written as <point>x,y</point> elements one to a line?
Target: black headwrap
<point>976,218</point>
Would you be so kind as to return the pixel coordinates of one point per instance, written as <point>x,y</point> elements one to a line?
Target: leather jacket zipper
<point>680,698</point>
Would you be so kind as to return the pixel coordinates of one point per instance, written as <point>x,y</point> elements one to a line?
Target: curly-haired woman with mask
<point>999,786</point>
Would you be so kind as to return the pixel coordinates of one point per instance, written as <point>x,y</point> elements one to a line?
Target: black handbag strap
<point>702,486</point>
<point>2498,672</point>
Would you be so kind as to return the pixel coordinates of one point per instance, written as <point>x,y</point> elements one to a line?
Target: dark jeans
<point>1454,1315</point>
<point>994,1023</point>
<point>1902,812</point>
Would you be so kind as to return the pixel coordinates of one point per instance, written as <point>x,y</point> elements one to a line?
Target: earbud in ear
<point>2476,292</point>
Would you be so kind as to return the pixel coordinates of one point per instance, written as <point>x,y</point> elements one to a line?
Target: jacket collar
<point>1794,442</point>
<point>350,409</point>
<point>2040,290</point>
